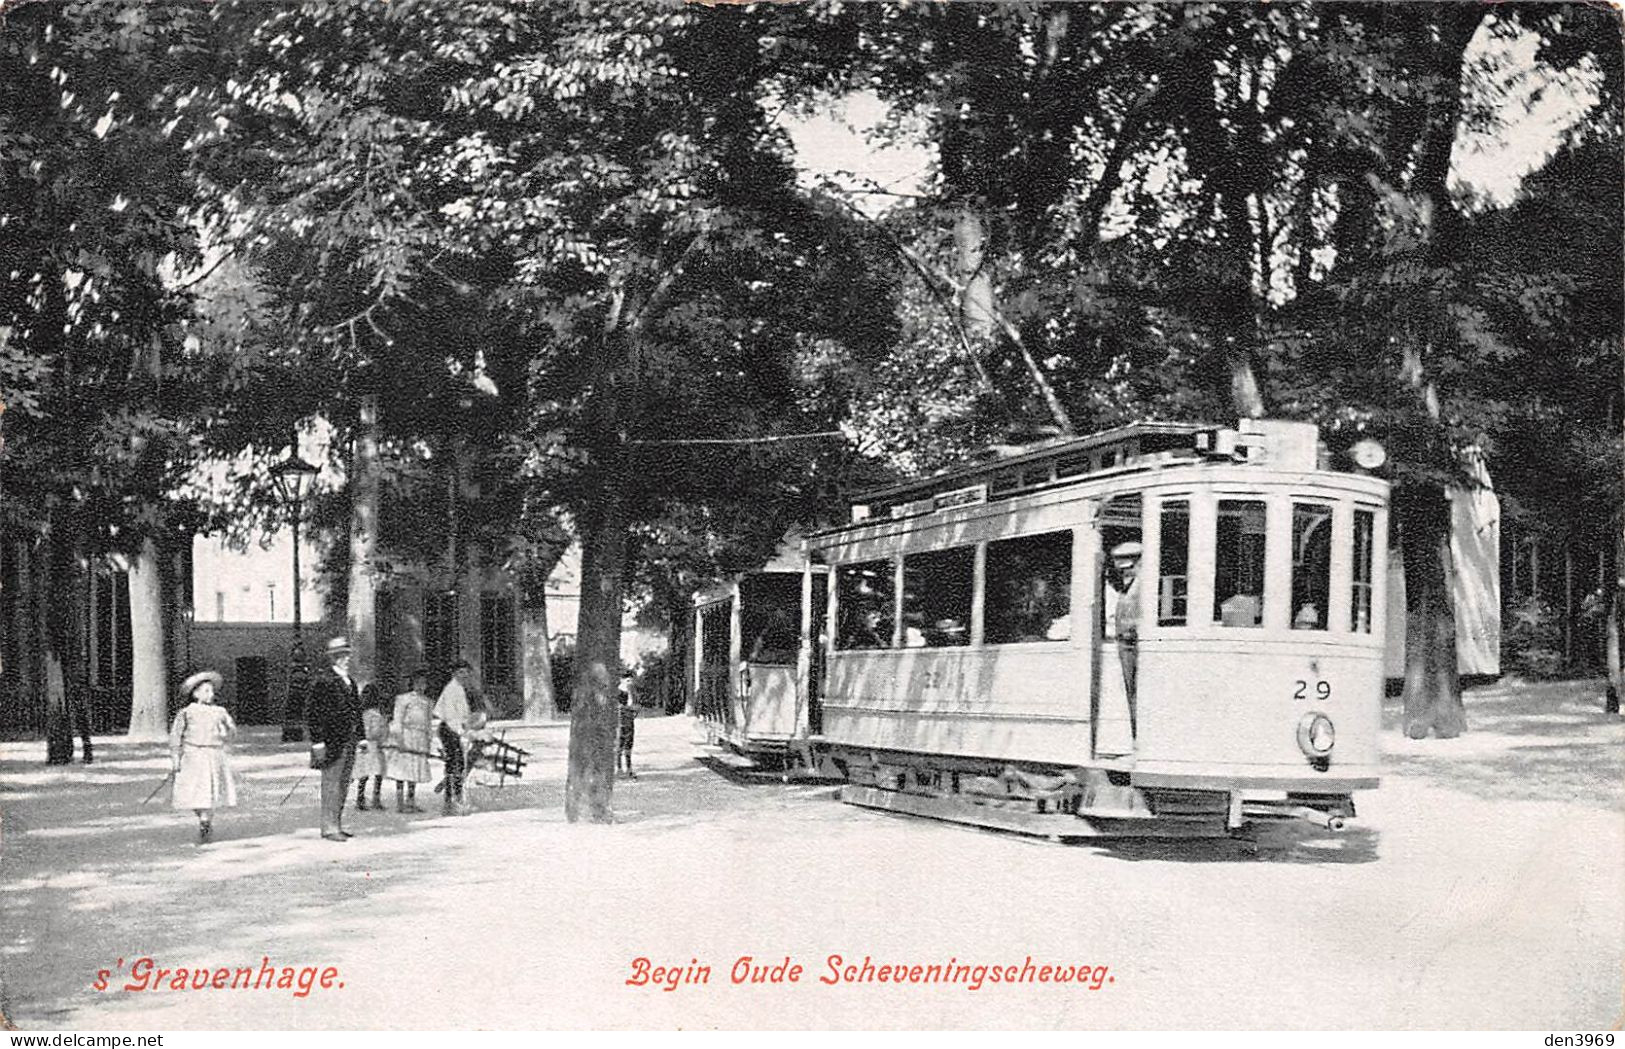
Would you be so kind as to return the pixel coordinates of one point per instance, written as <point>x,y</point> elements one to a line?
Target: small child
<point>627,728</point>
<point>369,753</point>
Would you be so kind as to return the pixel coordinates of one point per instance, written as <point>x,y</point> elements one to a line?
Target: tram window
<point>863,595</point>
<point>1037,475</point>
<point>1073,464</point>
<point>1029,589</point>
<point>1311,565</point>
<point>1365,530</point>
<point>770,617</point>
<point>1173,570</point>
<point>936,597</point>
<point>1238,561</point>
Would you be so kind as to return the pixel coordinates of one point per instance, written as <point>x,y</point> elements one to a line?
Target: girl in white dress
<point>369,753</point>
<point>410,741</point>
<point>199,755</point>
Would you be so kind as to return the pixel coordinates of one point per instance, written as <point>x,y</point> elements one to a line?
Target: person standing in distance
<point>626,726</point>
<point>334,710</point>
<point>451,712</point>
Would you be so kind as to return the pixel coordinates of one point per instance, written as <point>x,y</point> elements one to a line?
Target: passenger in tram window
<point>1238,560</point>
<point>870,631</point>
<point>1028,587</point>
<point>1037,620</point>
<point>1126,619</point>
<point>947,632</point>
<point>1240,610</point>
<point>914,635</point>
<point>864,605</point>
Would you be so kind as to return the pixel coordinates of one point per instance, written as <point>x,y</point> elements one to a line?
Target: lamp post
<point>293,477</point>
<point>188,617</point>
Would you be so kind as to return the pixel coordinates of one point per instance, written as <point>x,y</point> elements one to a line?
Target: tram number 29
<point>1322,690</point>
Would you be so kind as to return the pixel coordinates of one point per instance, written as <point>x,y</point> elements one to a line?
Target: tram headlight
<point>1316,735</point>
<point>1368,454</point>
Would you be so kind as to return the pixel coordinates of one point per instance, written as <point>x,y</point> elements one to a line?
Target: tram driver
<point>1125,619</point>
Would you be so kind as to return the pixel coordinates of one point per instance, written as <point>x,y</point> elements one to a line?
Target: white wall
<point>252,585</point>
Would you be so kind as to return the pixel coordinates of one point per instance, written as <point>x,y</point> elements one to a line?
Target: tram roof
<point>1011,471</point>
<point>1127,440</point>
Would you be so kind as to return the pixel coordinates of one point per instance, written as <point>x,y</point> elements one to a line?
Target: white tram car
<point>991,662</point>
<point>753,689</point>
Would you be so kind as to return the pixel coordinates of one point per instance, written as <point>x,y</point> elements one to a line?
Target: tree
<point>94,368</point>
<point>1304,226</point>
<point>603,189</point>
<point>1409,282</point>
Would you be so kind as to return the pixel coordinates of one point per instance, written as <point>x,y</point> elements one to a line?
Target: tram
<point>753,683</point>
<point>1164,630</point>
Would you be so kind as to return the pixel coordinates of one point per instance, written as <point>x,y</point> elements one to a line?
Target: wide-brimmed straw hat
<point>190,685</point>
<point>339,646</point>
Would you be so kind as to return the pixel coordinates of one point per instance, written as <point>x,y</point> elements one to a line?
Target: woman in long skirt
<point>199,754</point>
<point>409,732</point>
<point>369,754</point>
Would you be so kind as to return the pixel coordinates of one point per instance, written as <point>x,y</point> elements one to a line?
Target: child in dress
<point>369,751</point>
<point>198,753</point>
<point>410,736</point>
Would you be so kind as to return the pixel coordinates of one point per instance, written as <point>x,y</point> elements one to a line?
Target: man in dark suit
<point>334,710</point>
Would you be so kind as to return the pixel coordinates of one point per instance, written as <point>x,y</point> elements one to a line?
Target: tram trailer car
<point>752,676</point>
<point>992,662</point>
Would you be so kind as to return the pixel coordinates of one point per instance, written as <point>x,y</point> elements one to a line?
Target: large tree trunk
<point>149,660</point>
<point>177,579</point>
<point>1432,688</point>
<point>975,275</point>
<point>56,622</point>
<point>679,654</point>
<point>1246,396</point>
<point>537,663</point>
<point>1432,685</point>
<point>1244,310</point>
<point>1616,605</point>
<point>979,314</point>
<point>1223,136</point>
<point>593,718</point>
<point>1615,641</point>
<point>361,621</point>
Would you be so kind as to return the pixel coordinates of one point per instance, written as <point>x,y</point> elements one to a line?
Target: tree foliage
<point>569,251</point>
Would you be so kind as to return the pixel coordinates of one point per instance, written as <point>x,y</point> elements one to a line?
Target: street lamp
<point>188,617</point>
<point>293,477</point>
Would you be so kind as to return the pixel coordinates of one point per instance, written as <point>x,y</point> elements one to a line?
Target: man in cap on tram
<point>1126,621</point>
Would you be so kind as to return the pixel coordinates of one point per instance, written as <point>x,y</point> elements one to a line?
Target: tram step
<point>1046,825</point>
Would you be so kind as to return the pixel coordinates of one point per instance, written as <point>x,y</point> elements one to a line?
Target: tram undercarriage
<point>1067,803</point>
